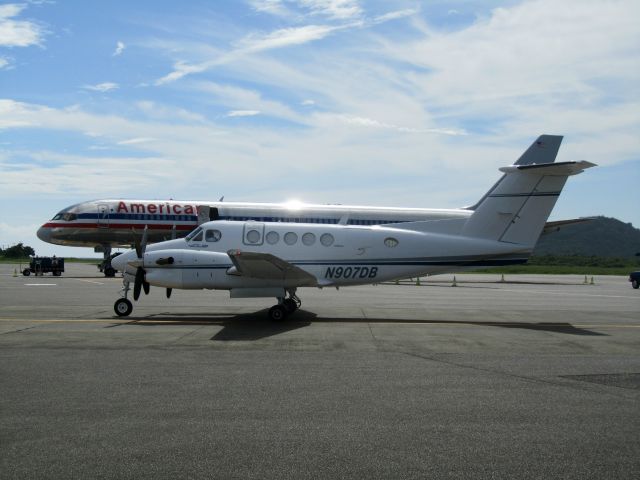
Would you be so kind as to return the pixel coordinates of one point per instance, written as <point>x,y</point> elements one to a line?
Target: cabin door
<point>103,215</point>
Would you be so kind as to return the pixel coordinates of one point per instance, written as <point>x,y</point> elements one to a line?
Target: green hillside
<point>601,237</point>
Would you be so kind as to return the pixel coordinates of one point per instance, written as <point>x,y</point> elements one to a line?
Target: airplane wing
<point>551,227</point>
<point>267,267</point>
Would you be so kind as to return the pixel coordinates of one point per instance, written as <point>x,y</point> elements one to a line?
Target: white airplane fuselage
<point>332,255</point>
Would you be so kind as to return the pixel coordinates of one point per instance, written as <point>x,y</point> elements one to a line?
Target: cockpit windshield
<point>66,216</point>
<point>194,234</point>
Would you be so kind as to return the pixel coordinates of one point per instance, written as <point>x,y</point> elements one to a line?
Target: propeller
<point>140,282</point>
<point>169,290</point>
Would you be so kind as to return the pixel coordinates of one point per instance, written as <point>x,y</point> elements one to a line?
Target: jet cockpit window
<point>57,217</point>
<point>194,233</point>
<point>213,235</point>
<point>69,217</point>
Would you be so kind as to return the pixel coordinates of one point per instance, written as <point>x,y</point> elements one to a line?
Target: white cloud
<point>338,9</point>
<point>17,33</point>
<point>234,97</point>
<point>285,37</point>
<point>274,7</point>
<point>307,102</point>
<point>134,141</point>
<point>369,122</point>
<point>332,9</point>
<point>181,69</point>
<point>120,46</point>
<point>102,87</point>
<point>243,113</point>
<point>395,15</point>
<point>4,62</point>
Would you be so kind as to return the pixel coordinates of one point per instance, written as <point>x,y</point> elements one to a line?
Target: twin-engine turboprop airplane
<point>259,259</point>
<point>106,224</point>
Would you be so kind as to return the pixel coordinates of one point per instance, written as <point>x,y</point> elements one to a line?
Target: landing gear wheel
<point>277,313</point>
<point>26,272</point>
<point>123,307</point>
<point>290,305</point>
<point>635,284</point>
<point>57,273</point>
<point>109,272</point>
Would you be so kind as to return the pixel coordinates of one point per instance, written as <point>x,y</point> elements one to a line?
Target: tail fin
<point>543,150</point>
<point>516,209</point>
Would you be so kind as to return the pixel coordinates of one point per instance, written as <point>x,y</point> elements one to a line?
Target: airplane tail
<point>516,208</point>
<point>543,150</point>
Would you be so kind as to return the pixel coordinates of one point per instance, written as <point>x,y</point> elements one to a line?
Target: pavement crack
<point>525,378</point>
<point>19,330</point>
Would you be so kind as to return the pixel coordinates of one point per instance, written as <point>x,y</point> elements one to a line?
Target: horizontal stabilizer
<point>562,168</point>
<point>555,226</point>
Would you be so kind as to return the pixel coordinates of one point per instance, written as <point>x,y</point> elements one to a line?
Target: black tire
<point>26,272</point>
<point>123,307</point>
<point>57,273</point>
<point>635,284</point>
<point>109,272</point>
<point>277,313</point>
<point>290,305</point>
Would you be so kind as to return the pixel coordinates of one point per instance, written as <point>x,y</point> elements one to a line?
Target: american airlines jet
<point>112,223</point>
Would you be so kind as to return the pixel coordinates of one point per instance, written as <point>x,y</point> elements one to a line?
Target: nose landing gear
<point>123,306</point>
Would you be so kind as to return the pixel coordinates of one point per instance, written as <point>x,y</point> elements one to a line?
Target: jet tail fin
<point>516,210</point>
<point>543,150</point>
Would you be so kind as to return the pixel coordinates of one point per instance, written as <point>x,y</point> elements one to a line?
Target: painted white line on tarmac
<point>89,281</point>
<point>40,284</point>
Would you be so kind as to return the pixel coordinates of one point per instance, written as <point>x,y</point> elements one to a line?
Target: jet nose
<point>44,234</point>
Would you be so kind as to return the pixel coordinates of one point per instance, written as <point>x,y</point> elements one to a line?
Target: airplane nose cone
<point>44,234</point>
<point>120,262</point>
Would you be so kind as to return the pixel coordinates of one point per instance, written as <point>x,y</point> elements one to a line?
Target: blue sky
<point>400,103</point>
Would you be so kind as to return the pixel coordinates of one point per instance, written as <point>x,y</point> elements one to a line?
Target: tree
<point>18,251</point>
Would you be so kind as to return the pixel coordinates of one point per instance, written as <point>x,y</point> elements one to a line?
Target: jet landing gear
<point>285,307</point>
<point>123,307</point>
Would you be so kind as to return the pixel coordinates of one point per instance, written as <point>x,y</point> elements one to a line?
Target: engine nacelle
<point>187,269</point>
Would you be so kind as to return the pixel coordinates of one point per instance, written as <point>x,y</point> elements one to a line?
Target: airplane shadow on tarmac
<point>256,325</point>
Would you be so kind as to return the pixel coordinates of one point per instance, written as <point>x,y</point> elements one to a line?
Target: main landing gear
<point>285,306</point>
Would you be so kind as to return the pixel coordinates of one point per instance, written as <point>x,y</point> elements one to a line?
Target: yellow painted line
<point>571,294</point>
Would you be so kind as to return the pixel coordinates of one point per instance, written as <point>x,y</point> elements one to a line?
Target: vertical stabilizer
<point>543,150</point>
<point>516,210</point>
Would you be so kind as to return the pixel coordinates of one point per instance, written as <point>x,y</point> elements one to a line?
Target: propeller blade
<point>145,287</point>
<point>136,243</point>
<point>137,285</point>
<point>143,243</point>
<point>169,290</point>
<point>140,245</point>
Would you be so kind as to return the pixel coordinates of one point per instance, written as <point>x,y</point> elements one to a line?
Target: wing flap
<point>265,266</point>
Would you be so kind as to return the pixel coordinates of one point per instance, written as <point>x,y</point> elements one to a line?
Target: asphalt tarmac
<point>534,377</point>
